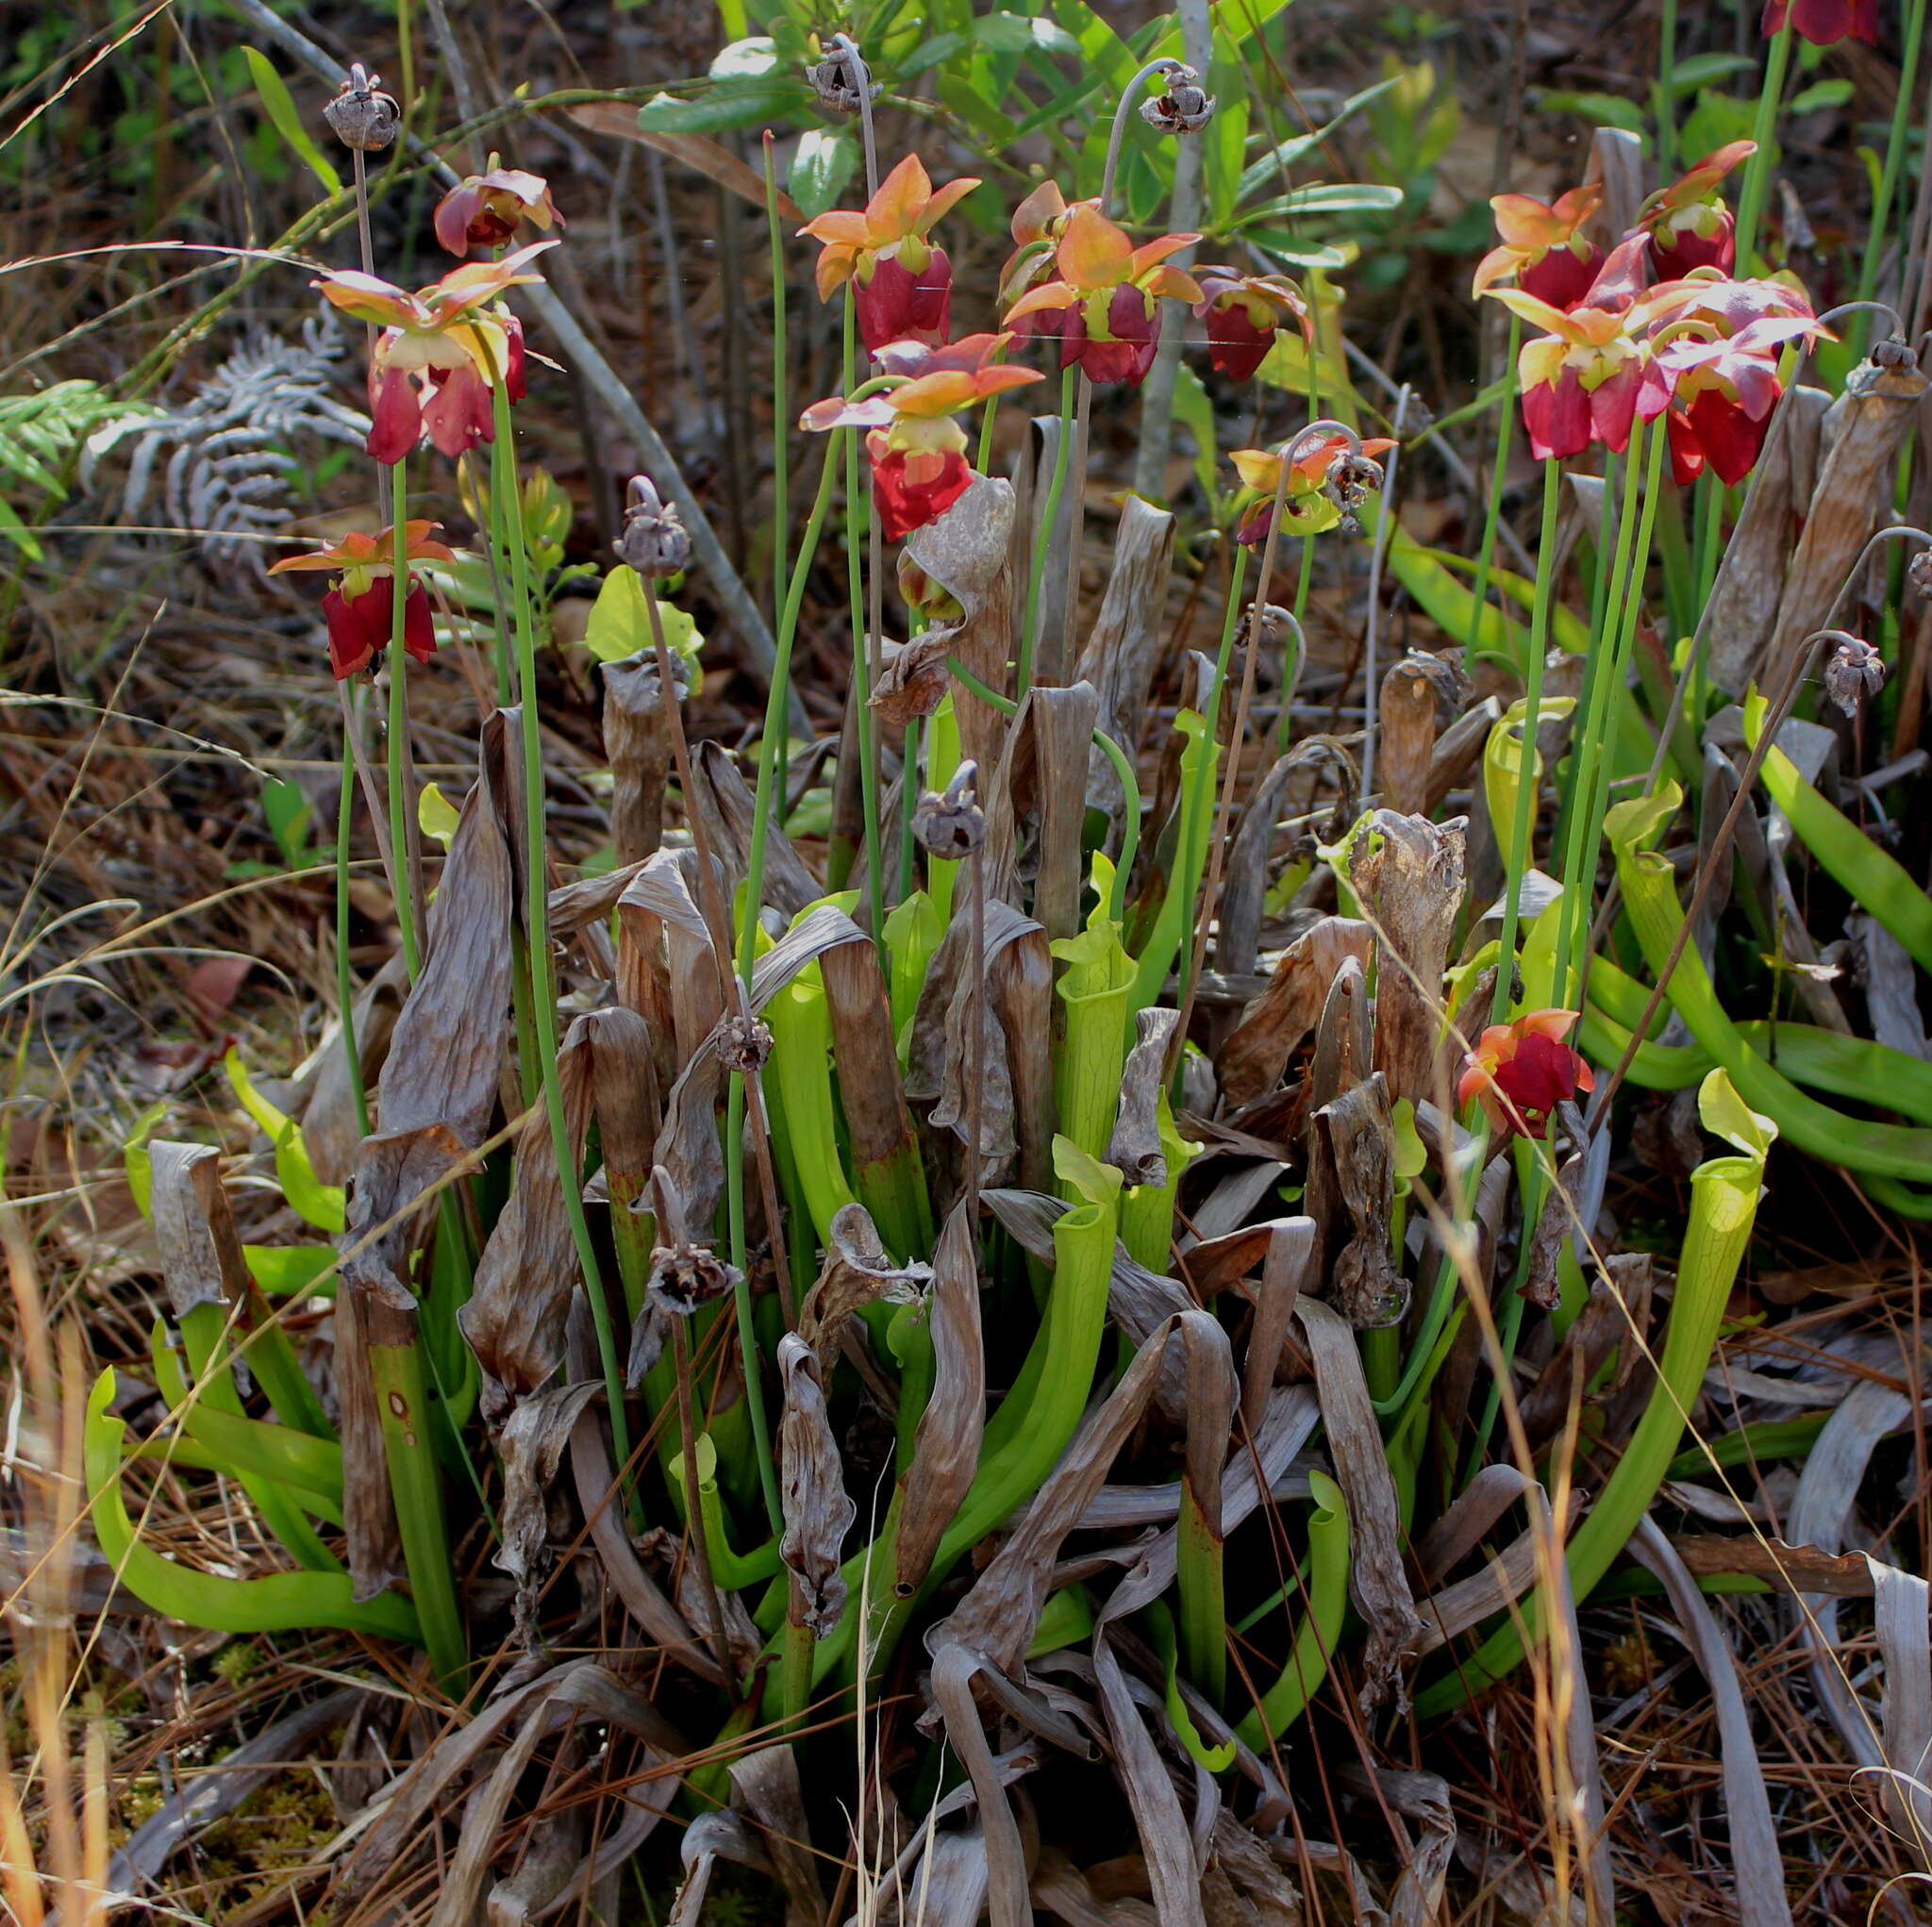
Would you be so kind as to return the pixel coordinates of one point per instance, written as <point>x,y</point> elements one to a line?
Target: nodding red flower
<point>359,607</point>
<point>483,209</point>
<point>1105,295</point>
<point>1542,247</point>
<point>1243,314</point>
<point>1592,375</point>
<point>1038,223</point>
<point>440,351</point>
<point>1718,343</point>
<point>1522,1072</point>
<point>1308,506</point>
<point>917,451</point>
<point>1823,22</point>
<point>1687,222</point>
<point>901,285</point>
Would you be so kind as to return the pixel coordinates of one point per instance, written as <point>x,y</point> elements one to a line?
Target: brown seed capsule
<point>744,1044</point>
<point>1185,108</point>
<point>1919,574</point>
<point>654,540</point>
<point>1352,479</point>
<point>1892,351</point>
<point>1853,672</point>
<point>363,116</point>
<point>686,1277</point>
<point>951,826</point>
<point>837,78</point>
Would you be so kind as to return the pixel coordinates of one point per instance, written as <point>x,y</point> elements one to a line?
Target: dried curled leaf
<point>817,1511</point>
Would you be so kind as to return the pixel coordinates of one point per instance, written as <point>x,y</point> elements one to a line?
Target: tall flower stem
<point>1600,722</point>
<point>861,521</point>
<point>399,799</point>
<point>1763,126</point>
<point>346,977</point>
<point>1894,160</point>
<point>781,418</point>
<point>1519,855</point>
<point>537,927</point>
<point>1667,92</point>
<point>1043,527</point>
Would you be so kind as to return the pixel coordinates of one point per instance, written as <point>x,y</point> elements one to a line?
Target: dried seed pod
<point>841,80</point>
<point>951,826</point>
<point>1853,673</point>
<point>1892,351</point>
<point>1278,625</point>
<point>1919,574</point>
<point>654,540</point>
<point>744,1044</point>
<point>686,1277</point>
<point>362,115</point>
<point>1352,479</point>
<point>1185,108</point>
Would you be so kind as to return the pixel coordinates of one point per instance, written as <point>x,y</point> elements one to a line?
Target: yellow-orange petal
<point>1094,252</point>
<point>943,200</point>
<point>892,213</point>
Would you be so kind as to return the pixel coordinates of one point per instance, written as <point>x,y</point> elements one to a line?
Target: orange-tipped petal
<point>1172,282</point>
<point>1094,252</point>
<point>1048,297</point>
<point>894,213</point>
<point>1035,214</point>
<point>840,224</point>
<point>943,200</point>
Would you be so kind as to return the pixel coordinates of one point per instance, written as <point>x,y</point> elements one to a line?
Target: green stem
<point>1043,534</point>
<point>543,986</point>
<point>1764,124</point>
<point>346,977</point>
<point>1667,92</point>
<point>399,720</point>
<point>503,481</point>
<point>1610,712</point>
<point>402,1403</point>
<point>1894,161</point>
<point>1520,853</point>
<point>857,523</point>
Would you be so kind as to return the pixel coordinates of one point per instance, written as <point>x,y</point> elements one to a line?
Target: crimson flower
<point>1542,247</point>
<point>440,351</point>
<point>1717,343</point>
<point>483,209</point>
<point>917,451</point>
<point>359,607</point>
<point>1522,1072</point>
<point>1687,222</point>
<point>1104,294</point>
<point>901,285</point>
<point>1592,375</point>
<point>1823,22</point>
<point>1307,507</point>
<point>1243,313</point>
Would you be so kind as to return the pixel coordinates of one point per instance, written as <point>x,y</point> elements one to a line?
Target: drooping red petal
<point>1825,22</point>
<point>1557,414</point>
<point>904,504</point>
<point>1541,1074</point>
<point>1686,454</point>
<point>1561,277</point>
<point>1731,439</point>
<point>419,632</point>
<point>395,422</point>
<point>930,305</point>
<point>1131,353</point>
<point>1686,250</point>
<point>1613,407</point>
<point>885,303</point>
<point>1234,345</point>
<point>458,415</point>
<point>358,627</point>
<point>513,360</point>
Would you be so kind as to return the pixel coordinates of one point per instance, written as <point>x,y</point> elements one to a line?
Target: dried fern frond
<point>232,450</point>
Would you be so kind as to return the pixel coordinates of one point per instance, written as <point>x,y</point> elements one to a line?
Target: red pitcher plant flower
<point>1308,506</point>
<point>1522,1072</point>
<point>1542,247</point>
<point>901,285</point>
<point>1037,225</point>
<point>1105,296</point>
<point>439,352</point>
<point>483,209</point>
<point>1825,22</point>
<point>1590,376</point>
<point>1242,314</point>
<point>918,451</point>
<point>359,608</point>
<point>1718,343</point>
<point>1687,222</point>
